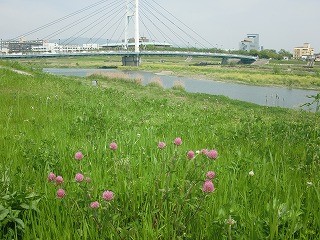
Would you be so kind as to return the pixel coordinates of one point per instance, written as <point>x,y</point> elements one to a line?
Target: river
<point>265,96</point>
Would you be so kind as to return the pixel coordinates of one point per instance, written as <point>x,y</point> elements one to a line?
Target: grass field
<point>128,185</point>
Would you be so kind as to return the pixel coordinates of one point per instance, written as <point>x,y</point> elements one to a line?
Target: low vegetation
<point>276,76</point>
<point>119,160</point>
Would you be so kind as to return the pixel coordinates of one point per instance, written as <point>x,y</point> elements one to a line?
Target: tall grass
<point>178,85</point>
<point>158,193</point>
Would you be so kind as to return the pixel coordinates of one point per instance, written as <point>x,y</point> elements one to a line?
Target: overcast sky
<point>281,24</point>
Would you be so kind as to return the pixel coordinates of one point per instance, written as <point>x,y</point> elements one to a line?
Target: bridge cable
<point>182,39</point>
<point>183,24</point>
<point>163,34</point>
<point>105,26</point>
<point>94,23</point>
<point>170,29</point>
<point>121,34</point>
<point>82,30</point>
<point>67,27</point>
<point>167,27</point>
<point>58,20</point>
<point>77,22</point>
<point>117,27</point>
<point>157,27</point>
<point>119,20</point>
<point>151,35</point>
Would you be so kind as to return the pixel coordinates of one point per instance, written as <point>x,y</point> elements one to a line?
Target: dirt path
<point>17,71</point>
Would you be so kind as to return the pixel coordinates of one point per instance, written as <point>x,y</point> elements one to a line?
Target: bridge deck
<point>127,53</point>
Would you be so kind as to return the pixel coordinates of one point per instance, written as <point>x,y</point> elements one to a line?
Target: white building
<point>55,47</point>
<point>45,47</point>
<point>251,42</point>
<point>4,50</point>
<point>90,46</point>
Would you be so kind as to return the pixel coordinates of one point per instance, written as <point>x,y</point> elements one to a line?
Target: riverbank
<point>293,74</point>
<point>258,76</point>
<point>119,160</point>
<point>264,96</point>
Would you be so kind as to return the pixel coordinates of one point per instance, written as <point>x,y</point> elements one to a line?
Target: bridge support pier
<point>224,61</point>
<point>133,60</point>
<point>247,61</point>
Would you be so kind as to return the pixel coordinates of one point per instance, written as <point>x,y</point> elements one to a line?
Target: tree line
<point>266,53</point>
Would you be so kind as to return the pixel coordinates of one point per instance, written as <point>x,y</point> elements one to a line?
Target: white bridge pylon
<point>129,14</point>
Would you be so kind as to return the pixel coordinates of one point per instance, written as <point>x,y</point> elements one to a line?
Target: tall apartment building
<point>303,52</point>
<point>251,42</point>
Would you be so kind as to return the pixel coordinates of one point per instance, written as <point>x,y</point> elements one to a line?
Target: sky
<point>281,24</point>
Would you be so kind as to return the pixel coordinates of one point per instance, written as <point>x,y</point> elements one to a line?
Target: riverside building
<point>251,42</point>
<point>304,52</point>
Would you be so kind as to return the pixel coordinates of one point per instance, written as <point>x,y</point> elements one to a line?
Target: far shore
<point>220,77</point>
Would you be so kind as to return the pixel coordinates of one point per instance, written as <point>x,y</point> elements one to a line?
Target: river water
<point>265,96</point>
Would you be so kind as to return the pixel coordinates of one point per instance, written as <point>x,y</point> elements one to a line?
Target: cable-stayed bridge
<point>125,54</point>
<point>121,23</point>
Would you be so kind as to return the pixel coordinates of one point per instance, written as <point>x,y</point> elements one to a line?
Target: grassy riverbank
<point>267,170</point>
<point>254,76</point>
<point>292,74</point>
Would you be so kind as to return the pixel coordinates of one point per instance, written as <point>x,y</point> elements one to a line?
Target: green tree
<point>284,53</point>
<point>268,53</point>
